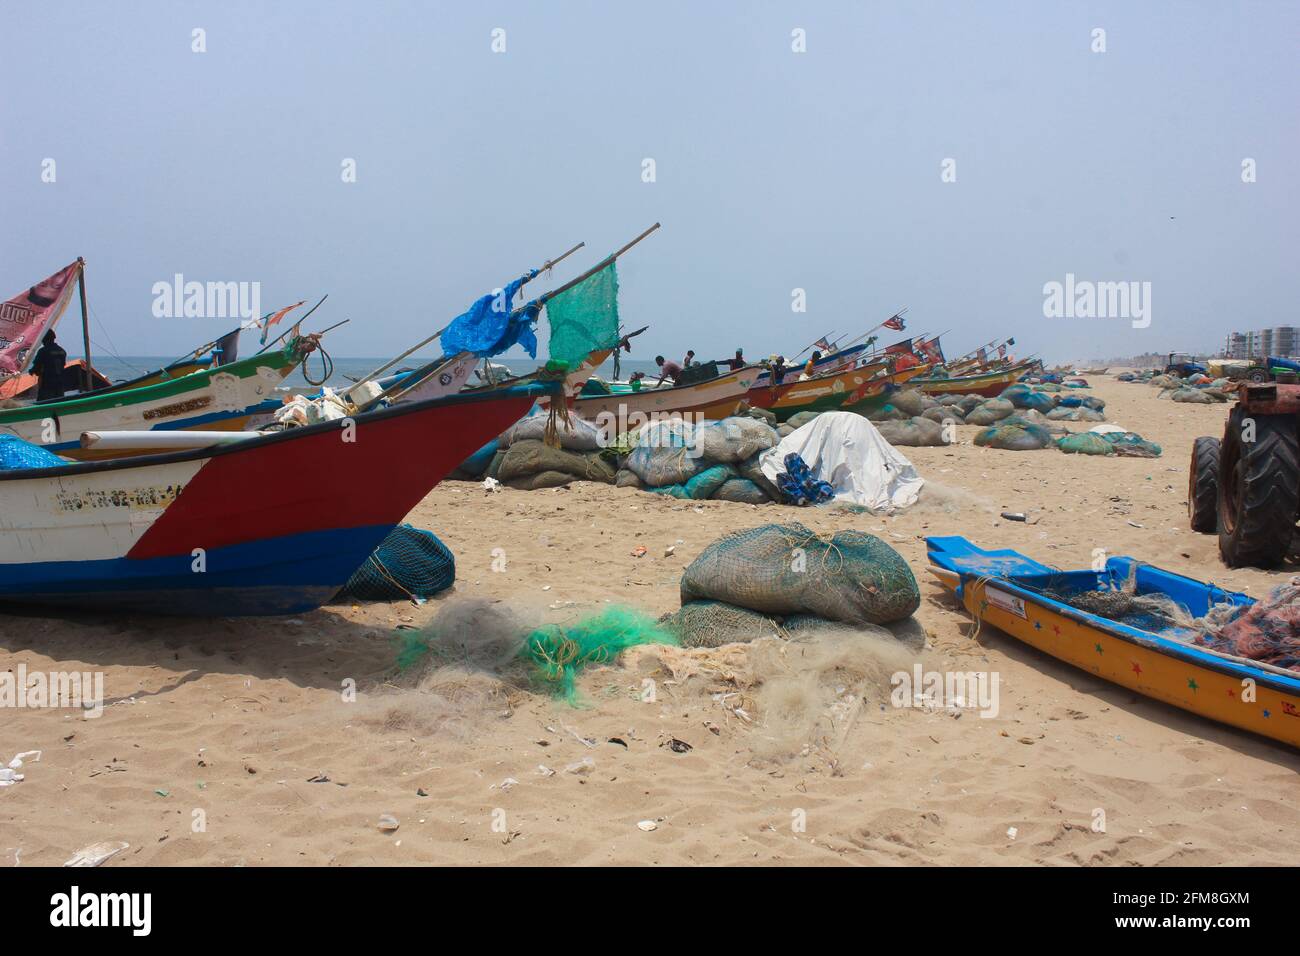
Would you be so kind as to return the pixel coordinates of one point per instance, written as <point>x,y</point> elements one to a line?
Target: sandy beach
<point>236,742</point>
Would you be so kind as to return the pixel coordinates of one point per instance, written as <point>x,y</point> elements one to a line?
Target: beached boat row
<point>194,489</point>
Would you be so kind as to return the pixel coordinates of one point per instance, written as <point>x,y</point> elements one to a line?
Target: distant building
<point>1284,341</point>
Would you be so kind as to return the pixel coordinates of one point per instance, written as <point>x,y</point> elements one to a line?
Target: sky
<point>774,170</point>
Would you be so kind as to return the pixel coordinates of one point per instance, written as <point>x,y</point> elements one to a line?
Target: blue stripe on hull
<point>285,575</point>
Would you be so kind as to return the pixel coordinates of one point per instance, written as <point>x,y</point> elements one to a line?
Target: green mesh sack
<point>408,564</point>
<point>708,481</point>
<point>531,457</point>
<point>742,490</point>
<point>627,479</point>
<point>714,623</point>
<point>559,653</point>
<point>1085,443</point>
<point>1132,445</point>
<point>787,569</point>
<point>584,318</point>
<point>1020,435</point>
<point>674,491</point>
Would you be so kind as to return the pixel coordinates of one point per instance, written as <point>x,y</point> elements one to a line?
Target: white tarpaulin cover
<point>845,450</point>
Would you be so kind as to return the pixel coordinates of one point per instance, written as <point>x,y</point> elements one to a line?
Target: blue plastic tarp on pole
<point>490,326</point>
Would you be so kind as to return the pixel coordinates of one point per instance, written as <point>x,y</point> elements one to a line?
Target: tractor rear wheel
<point>1203,485</point>
<point>1259,489</point>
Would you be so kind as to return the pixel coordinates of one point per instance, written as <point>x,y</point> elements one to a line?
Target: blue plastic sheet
<point>490,326</point>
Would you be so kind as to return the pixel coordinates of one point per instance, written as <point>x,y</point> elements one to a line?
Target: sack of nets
<point>850,576</point>
<point>1014,435</point>
<point>525,460</point>
<point>574,433</point>
<point>913,432</point>
<point>714,623</point>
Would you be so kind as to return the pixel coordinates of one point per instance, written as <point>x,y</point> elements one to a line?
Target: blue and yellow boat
<point>1024,598</point>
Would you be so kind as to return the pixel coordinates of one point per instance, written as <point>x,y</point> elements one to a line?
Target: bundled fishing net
<point>944,413</point>
<point>626,478</point>
<point>913,432</point>
<point>19,455</point>
<point>572,432</point>
<point>986,413</point>
<point>1085,443</point>
<point>409,563</point>
<point>698,461</point>
<point>714,623</point>
<point>1018,435</point>
<point>911,401</point>
<point>1080,413</point>
<point>1132,445</point>
<point>1157,613</point>
<point>742,490</point>
<point>531,463</point>
<point>852,576</point>
<point>1026,398</point>
<point>1267,631</point>
<point>559,653</point>
<point>734,439</point>
<point>800,419</point>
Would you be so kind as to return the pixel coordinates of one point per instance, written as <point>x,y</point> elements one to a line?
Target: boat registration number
<point>1005,602</point>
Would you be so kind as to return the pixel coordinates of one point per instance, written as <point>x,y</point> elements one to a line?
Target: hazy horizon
<point>775,170</point>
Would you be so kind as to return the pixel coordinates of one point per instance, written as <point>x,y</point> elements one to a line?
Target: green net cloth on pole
<point>584,318</point>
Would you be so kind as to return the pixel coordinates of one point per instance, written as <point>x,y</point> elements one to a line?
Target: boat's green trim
<point>244,368</point>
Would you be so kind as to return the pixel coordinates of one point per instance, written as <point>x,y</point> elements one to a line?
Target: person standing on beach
<point>48,368</point>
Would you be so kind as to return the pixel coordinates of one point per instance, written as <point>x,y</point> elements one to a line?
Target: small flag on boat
<point>982,356</point>
<point>931,351</point>
<point>900,348</point>
<point>275,317</point>
<point>1002,351</point>
<point>895,322</point>
<point>822,345</point>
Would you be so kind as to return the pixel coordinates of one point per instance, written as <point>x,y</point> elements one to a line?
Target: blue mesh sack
<point>409,563</point>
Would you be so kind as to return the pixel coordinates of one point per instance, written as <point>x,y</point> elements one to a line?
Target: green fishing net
<point>560,652</point>
<point>584,318</point>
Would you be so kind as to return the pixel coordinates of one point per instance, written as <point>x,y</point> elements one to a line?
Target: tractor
<point>1246,486</point>
<point>1182,365</point>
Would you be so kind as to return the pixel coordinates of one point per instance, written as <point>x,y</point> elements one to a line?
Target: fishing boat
<point>713,398</point>
<point>269,525</point>
<point>988,384</point>
<point>1030,601</point>
<point>874,394</point>
<point>834,362</point>
<point>215,399</point>
<point>24,386</point>
<point>818,394</point>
